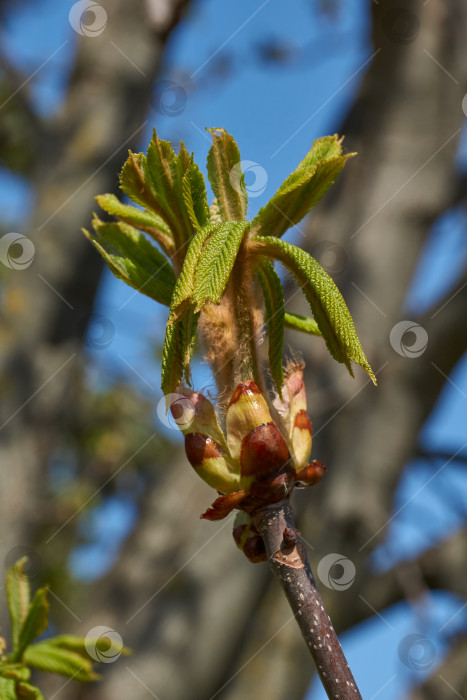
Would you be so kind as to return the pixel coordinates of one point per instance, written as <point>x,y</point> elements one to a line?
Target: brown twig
<point>288,561</point>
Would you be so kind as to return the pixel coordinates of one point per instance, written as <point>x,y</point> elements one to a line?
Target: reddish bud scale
<point>254,549</point>
<point>248,387</point>
<point>200,447</point>
<point>311,474</point>
<point>303,422</point>
<point>250,542</point>
<point>264,450</point>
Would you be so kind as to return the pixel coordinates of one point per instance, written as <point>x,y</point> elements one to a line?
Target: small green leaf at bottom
<point>8,689</point>
<point>18,592</point>
<point>46,656</point>
<point>35,623</point>
<point>28,692</point>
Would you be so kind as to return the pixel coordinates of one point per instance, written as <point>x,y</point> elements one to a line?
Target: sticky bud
<point>295,422</point>
<point>205,444</point>
<point>248,539</point>
<point>264,450</point>
<point>247,410</point>
<point>256,463</point>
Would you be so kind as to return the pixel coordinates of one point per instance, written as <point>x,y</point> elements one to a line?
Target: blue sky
<point>263,108</point>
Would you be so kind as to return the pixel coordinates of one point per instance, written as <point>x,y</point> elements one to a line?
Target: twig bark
<point>289,563</point>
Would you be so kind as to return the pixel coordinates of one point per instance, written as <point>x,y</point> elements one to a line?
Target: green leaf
<point>301,323</point>
<point>178,348</point>
<point>172,357</point>
<point>78,644</point>
<point>29,692</point>
<point>274,302</point>
<point>18,594</point>
<point>35,623</point>
<point>164,171</point>
<point>205,273</point>
<point>133,182</point>
<point>17,672</point>
<point>329,308</point>
<point>302,189</point>
<point>216,262</point>
<point>185,285</point>
<point>45,656</point>
<point>190,324</point>
<point>225,176</point>
<point>7,689</point>
<point>146,221</point>
<point>68,641</point>
<point>195,197</point>
<point>132,258</point>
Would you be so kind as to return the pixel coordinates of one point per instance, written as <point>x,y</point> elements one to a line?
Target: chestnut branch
<point>288,561</point>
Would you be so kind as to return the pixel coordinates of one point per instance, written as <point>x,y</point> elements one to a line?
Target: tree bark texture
<point>288,561</point>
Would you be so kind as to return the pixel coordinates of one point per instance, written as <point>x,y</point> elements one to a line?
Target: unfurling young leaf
<point>207,266</point>
<point>225,176</point>
<point>204,276</point>
<point>26,691</point>
<point>169,187</point>
<point>178,348</point>
<point>133,183</point>
<point>8,689</point>
<point>146,221</point>
<point>17,672</point>
<point>45,656</point>
<point>165,171</point>
<point>217,261</point>
<point>18,593</point>
<point>274,303</point>
<point>299,193</point>
<point>329,308</point>
<point>185,285</point>
<point>35,623</point>
<point>301,323</point>
<point>132,258</point>
<point>195,197</point>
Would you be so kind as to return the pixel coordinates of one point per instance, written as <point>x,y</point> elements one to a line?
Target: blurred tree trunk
<point>405,123</point>
<point>46,306</point>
